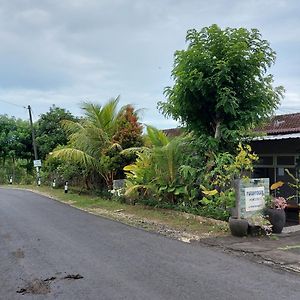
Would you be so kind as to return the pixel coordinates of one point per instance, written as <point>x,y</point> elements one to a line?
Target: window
<point>265,161</point>
<point>286,160</point>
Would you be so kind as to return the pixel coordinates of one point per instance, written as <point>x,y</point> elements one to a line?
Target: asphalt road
<point>44,239</point>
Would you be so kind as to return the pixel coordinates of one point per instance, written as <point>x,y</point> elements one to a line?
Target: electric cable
<point>7,102</point>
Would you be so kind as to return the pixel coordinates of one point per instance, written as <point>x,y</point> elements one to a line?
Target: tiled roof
<point>172,132</point>
<point>282,124</point>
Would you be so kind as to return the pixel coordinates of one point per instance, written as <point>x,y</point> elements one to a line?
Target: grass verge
<point>182,226</point>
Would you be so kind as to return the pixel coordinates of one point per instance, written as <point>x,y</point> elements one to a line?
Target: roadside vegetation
<point>222,90</point>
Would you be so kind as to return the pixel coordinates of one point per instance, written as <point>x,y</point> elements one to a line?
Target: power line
<point>7,102</point>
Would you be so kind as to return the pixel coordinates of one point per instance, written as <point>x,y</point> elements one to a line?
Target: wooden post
<point>237,197</point>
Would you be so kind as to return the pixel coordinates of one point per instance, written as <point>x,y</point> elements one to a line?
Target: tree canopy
<point>49,132</point>
<point>15,139</point>
<point>129,132</point>
<point>222,85</point>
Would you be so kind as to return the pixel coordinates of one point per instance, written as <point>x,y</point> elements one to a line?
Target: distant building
<point>172,132</point>
<point>278,149</point>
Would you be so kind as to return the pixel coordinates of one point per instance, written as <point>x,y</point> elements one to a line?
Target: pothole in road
<point>42,286</point>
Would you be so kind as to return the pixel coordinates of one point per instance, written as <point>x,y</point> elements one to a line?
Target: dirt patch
<point>164,228</point>
<point>42,286</point>
<point>36,287</point>
<point>19,253</point>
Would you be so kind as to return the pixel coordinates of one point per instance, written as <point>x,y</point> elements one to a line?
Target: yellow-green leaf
<point>277,185</point>
<point>210,193</point>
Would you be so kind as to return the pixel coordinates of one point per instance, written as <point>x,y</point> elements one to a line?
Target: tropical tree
<point>15,139</point>
<point>15,148</point>
<point>222,85</point>
<point>92,140</point>
<point>129,132</point>
<point>49,131</point>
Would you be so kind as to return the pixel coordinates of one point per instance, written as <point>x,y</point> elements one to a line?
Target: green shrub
<point>4,179</point>
<point>28,179</point>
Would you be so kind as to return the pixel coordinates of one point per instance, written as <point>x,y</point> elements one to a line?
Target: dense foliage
<point>156,170</point>
<point>170,173</point>
<point>129,130</point>
<point>15,139</point>
<point>15,149</point>
<point>49,132</point>
<point>222,87</point>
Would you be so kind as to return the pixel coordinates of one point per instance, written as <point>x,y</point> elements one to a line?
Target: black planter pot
<point>277,218</point>
<point>238,227</point>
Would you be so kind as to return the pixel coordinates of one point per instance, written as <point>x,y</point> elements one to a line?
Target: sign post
<point>250,200</point>
<point>37,163</point>
<point>250,196</point>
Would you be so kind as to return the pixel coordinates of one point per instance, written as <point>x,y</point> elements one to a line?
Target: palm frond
<point>134,150</point>
<point>157,137</point>
<point>103,117</point>
<point>70,127</point>
<point>75,155</point>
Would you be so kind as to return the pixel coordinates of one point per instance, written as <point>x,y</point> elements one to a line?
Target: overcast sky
<point>63,52</point>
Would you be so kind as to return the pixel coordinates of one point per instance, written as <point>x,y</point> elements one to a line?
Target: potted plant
<point>275,213</point>
<point>259,225</point>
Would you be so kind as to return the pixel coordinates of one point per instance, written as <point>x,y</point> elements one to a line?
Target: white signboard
<point>254,198</point>
<point>37,163</point>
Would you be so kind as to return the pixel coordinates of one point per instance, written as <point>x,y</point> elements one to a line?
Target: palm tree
<point>157,168</point>
<point>92,138</point>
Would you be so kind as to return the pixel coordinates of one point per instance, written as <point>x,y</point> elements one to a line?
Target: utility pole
<point>34,145</point>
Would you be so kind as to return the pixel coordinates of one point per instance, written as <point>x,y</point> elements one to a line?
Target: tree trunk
<point>87,183</point>
<point>218,130</point>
